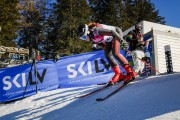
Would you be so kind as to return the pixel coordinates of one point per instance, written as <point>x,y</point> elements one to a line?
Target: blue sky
<point>170,9</point>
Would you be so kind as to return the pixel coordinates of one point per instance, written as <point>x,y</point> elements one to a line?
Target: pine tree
<point>124,13</point>
<point>33,28</point>
<point>108,12</point>
<point>136,11</point>
<point>45,8</point>
<point>147,11</point>
<point>67,15</point>
<point>30,24</point>
<point>9,21</point>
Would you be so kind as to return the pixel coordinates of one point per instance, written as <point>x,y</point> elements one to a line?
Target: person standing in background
<point>137,44</point>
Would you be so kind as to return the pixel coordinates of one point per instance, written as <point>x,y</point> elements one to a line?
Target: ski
<point>102,88</point>
<point>114,92</point>
<point>95,91</point>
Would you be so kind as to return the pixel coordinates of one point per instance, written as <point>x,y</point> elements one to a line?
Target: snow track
<point>154,98</point>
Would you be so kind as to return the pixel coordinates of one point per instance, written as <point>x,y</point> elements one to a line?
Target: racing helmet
<point>138,27</point>
<point>82,31</point>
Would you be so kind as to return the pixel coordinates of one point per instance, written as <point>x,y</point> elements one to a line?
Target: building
<point>163,36</point>
<point>12,56</point>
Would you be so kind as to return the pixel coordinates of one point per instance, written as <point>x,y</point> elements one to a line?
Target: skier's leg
<point>138,64</point>
<point>136,61</point>
<point>142,64</point>
<point>112,62</point>
<point>123,61</point>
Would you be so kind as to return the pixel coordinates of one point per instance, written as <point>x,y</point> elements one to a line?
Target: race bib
<point>108,38</point>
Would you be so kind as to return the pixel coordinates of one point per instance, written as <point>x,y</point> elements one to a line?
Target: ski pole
<point>146,63</point>
<point>149,65</point>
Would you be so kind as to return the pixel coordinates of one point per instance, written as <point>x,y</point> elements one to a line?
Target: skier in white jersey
<point>110,37</point>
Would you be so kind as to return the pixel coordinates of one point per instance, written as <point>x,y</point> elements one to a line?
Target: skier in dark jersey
<point>110,37</point>
<point>137,44</point>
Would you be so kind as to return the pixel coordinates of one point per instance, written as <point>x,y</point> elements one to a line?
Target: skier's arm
<point>131,40</point>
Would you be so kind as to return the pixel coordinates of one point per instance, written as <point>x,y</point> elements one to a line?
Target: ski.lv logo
<point>74,69</point>
<point>20,80</point>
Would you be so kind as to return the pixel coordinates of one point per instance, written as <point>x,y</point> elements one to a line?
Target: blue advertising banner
<point>14,80</point>
<point>84,69</point>
<point>77,70</point>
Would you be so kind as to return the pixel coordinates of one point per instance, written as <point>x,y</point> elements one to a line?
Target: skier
<point>137,44</point>
<point>110,38</point>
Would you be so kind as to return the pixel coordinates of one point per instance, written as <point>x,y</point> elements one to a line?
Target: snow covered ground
<point>153,98</point>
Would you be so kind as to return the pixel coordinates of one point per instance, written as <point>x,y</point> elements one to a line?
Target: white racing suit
<point>138,64</point>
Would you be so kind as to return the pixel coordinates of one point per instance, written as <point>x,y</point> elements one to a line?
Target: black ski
<point>105,87</point>
<point>95,91</point>
<point>114,92</point>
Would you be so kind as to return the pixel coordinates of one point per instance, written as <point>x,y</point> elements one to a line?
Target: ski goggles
<point>83,34</point>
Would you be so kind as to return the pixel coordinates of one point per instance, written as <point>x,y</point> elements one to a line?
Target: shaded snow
<point>153,98</point>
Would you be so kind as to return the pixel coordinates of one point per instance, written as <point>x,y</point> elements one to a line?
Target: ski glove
<point>125,44</point>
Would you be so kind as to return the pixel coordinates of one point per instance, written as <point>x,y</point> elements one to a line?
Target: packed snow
<point>152,98</point>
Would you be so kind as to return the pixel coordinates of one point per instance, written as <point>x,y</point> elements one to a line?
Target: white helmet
<point>138,27</point>
<point>82,31</point>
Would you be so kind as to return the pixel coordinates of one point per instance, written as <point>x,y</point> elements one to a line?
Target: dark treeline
<point>51,26</point>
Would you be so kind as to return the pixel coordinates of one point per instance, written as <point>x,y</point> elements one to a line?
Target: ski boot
<point>117,76</point>
<point>131,75</point>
